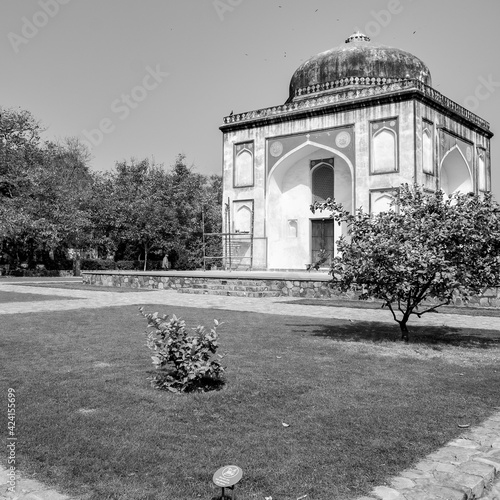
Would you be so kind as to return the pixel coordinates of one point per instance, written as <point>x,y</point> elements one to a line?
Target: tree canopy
<point>51,201</point>
<point>421,254</point>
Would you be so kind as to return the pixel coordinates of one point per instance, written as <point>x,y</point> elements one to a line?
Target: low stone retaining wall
<point>315,286</point>
<point>247,284</point>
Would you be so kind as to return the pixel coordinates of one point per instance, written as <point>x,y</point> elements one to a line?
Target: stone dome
<point>362,58</point>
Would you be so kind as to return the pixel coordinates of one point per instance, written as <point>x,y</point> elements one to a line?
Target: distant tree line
<point>53,207</point>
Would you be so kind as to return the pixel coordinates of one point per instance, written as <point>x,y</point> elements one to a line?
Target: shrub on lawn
<point>184,363</point>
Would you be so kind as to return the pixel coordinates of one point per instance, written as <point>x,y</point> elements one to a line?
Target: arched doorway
<point>455,176</point>
<point>294,234</point>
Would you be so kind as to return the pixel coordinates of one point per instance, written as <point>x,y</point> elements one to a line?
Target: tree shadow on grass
<point>359,331</point>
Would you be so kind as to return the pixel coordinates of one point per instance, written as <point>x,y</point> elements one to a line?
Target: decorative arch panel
<point>244,164</point>
<point>381,199</point>
<point>384,146</point>
<point>482,172</point>
<point>427,148</point>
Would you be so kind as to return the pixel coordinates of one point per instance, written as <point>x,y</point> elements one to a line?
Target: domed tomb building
<point>360,120</point>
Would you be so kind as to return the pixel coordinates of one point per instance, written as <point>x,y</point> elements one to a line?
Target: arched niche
<point>455,176</point>
<point>384,151</point>
<point>292,228</point>
<point>427,152</point>
<point>380,201</point>
<point>482,178</point>
<point>242,218</point>
<point>243,168</point>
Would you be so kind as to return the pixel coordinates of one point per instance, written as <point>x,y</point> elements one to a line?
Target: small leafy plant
<point>183,362</point>
<point>323,257</point>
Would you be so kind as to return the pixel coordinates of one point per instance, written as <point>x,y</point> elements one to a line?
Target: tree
<point>212,210</point>
<point>144,215</point>
<point>191,193</point>
<point>44,189</point>
<point>141,208</point>
<point>63,192</point>
<point>19,150</point>
<point>103,214</point>
<point>428,246</point>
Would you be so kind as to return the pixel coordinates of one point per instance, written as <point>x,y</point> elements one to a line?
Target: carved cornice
<point>345,82</point>
<point>357,89</point>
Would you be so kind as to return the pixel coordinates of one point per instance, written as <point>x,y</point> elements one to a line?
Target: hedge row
<point>120,265</point>
<point>85,265</point>
<point>31,273</point>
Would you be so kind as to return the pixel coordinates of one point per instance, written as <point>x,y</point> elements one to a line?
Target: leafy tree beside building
<point>424,252</point>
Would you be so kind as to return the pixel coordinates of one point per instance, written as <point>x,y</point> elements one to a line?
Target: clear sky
<point>157,76</point>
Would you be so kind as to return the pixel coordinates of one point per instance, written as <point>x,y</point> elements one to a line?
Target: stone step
<point>231,287</point>
<point>209,283</point>
<point>230,293</point>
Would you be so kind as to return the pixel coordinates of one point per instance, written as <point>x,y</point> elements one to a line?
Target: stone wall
<point>238,286</point>
<point>312,286</point>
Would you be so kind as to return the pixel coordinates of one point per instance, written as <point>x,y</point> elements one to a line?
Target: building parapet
<point>354,88</point>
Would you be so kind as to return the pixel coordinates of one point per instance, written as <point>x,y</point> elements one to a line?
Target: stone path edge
<point>464,469</point>
<point>15,487</point>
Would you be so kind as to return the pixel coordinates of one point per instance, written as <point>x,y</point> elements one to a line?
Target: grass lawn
<point>28,297</point>
<point>360,408</point>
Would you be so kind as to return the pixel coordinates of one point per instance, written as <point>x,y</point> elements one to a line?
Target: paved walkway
<point>465,469</point>
<point>270,305</point>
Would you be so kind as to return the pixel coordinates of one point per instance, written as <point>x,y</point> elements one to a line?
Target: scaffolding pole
<point>228,237</point>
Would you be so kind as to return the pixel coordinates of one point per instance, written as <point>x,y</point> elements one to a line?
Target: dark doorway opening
<point>323,240</point>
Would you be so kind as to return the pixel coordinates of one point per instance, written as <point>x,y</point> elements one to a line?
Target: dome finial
<point>357,37</point>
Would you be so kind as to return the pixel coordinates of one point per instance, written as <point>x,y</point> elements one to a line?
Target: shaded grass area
<point>436,337</point>
<point>6,297</point>
<point>360,408</point>
<point>363,304</point>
